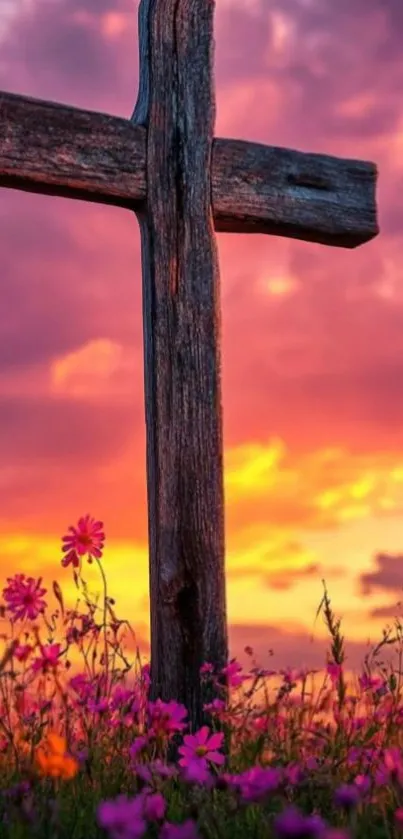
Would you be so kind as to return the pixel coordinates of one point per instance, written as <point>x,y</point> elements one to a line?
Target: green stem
<point>102,572</point>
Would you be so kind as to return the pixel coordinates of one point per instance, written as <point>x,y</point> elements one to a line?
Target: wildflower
<point>391,769</point>
<point>24,597</point>
<point>138,745</point>
<point>98,707</point>
<point>196,772</point>
<point>232,671</point>
<point>217,707</point>
<point>166,718</point>
<point>291,824</point>
<point>156,767</point>
<point>22,652</point>
<point>200,747</point>
<point>123,818</point>
<point>347,796</point>
<point>334,671</point>
<point>154,806</point>
<point>257,782</point>
<point>369,682</point>
<point>294,774</point>
<point>206,669</point>
<point>87,538</point>
<point>49,658</point>
<point>53,760</point>
<point>186,830</point>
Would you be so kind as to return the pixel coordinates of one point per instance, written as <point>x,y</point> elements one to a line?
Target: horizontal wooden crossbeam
<point>59,150</point>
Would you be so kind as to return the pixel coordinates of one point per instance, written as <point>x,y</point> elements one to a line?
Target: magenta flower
<point>139,744</point>
<point>200,747</point>
<point>86,539</point>
<point>206,669</point>
<point>291,824</point>
<point>369,682</point>
<point>22,652</point>
<point>334,671</point>
<point>391,769</point>
<point>156,768</point>
<point>232,671</point>
<point>98,707</point>
<point>24,597</point>
<point>347,796</point>
<point>49,658</point>
<point>256,783</point>
<point>196,772</point>
<point>166,718</point>
<point>123,818</point>
<point>186,830</point>
<point>154,807</point>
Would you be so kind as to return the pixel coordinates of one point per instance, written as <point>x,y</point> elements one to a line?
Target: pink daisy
<point>24,597</point>
<point>201,747</point>
<point>87,538</point>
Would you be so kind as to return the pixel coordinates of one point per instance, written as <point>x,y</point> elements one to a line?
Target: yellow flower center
<point>201,751</point>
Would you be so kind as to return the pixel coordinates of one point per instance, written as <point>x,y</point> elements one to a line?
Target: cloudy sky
<point>312,336</point>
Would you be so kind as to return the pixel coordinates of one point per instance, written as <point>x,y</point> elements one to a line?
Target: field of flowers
<point>89,755</point>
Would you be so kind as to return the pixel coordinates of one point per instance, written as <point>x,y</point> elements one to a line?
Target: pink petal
<point>202,735</point>
<point>216,740</point>
<point>216,757</point>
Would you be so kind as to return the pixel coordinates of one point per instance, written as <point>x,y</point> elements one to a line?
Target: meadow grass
<point>85,754</point>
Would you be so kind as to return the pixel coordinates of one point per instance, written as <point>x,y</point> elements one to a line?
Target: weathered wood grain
<point>318,198</point>
<point>182,351</point>
<point>57,150</point>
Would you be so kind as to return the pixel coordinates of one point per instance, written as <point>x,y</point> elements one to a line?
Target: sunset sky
<point>312,336</point>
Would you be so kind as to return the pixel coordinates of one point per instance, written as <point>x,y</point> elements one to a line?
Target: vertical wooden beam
<point>181,310</point>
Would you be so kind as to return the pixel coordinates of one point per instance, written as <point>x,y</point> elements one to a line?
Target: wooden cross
<point>165,165</point>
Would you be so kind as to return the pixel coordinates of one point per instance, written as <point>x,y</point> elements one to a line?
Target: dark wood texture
<point>318,198</point>
<point>57,150</point>
<point>54,149</point>
<point>182,351</point>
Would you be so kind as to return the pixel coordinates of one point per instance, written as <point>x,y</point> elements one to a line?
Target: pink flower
<point>186,830</point>
<point>166,718</point>
<point>138,745</point>
<point>217,707</point>
<point>23,596</point>
<point>257,782</point>
<point>22,652</point>
<point>154,807</point>
<point>156,767</point>
<point>368,682</point>
<point>196,772</point>
<point>200,747</point>
<point>334,671</point>
<point>98,707</point>
<point>206,669</point>
<point>48,658</point>
<point>123,818</point>
<point>231,671</point>
<point>87,538</point>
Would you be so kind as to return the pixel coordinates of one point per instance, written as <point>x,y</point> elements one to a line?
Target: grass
<point>86,755</point>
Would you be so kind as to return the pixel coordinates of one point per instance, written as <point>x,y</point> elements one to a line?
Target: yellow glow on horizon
<point>249,467</point>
